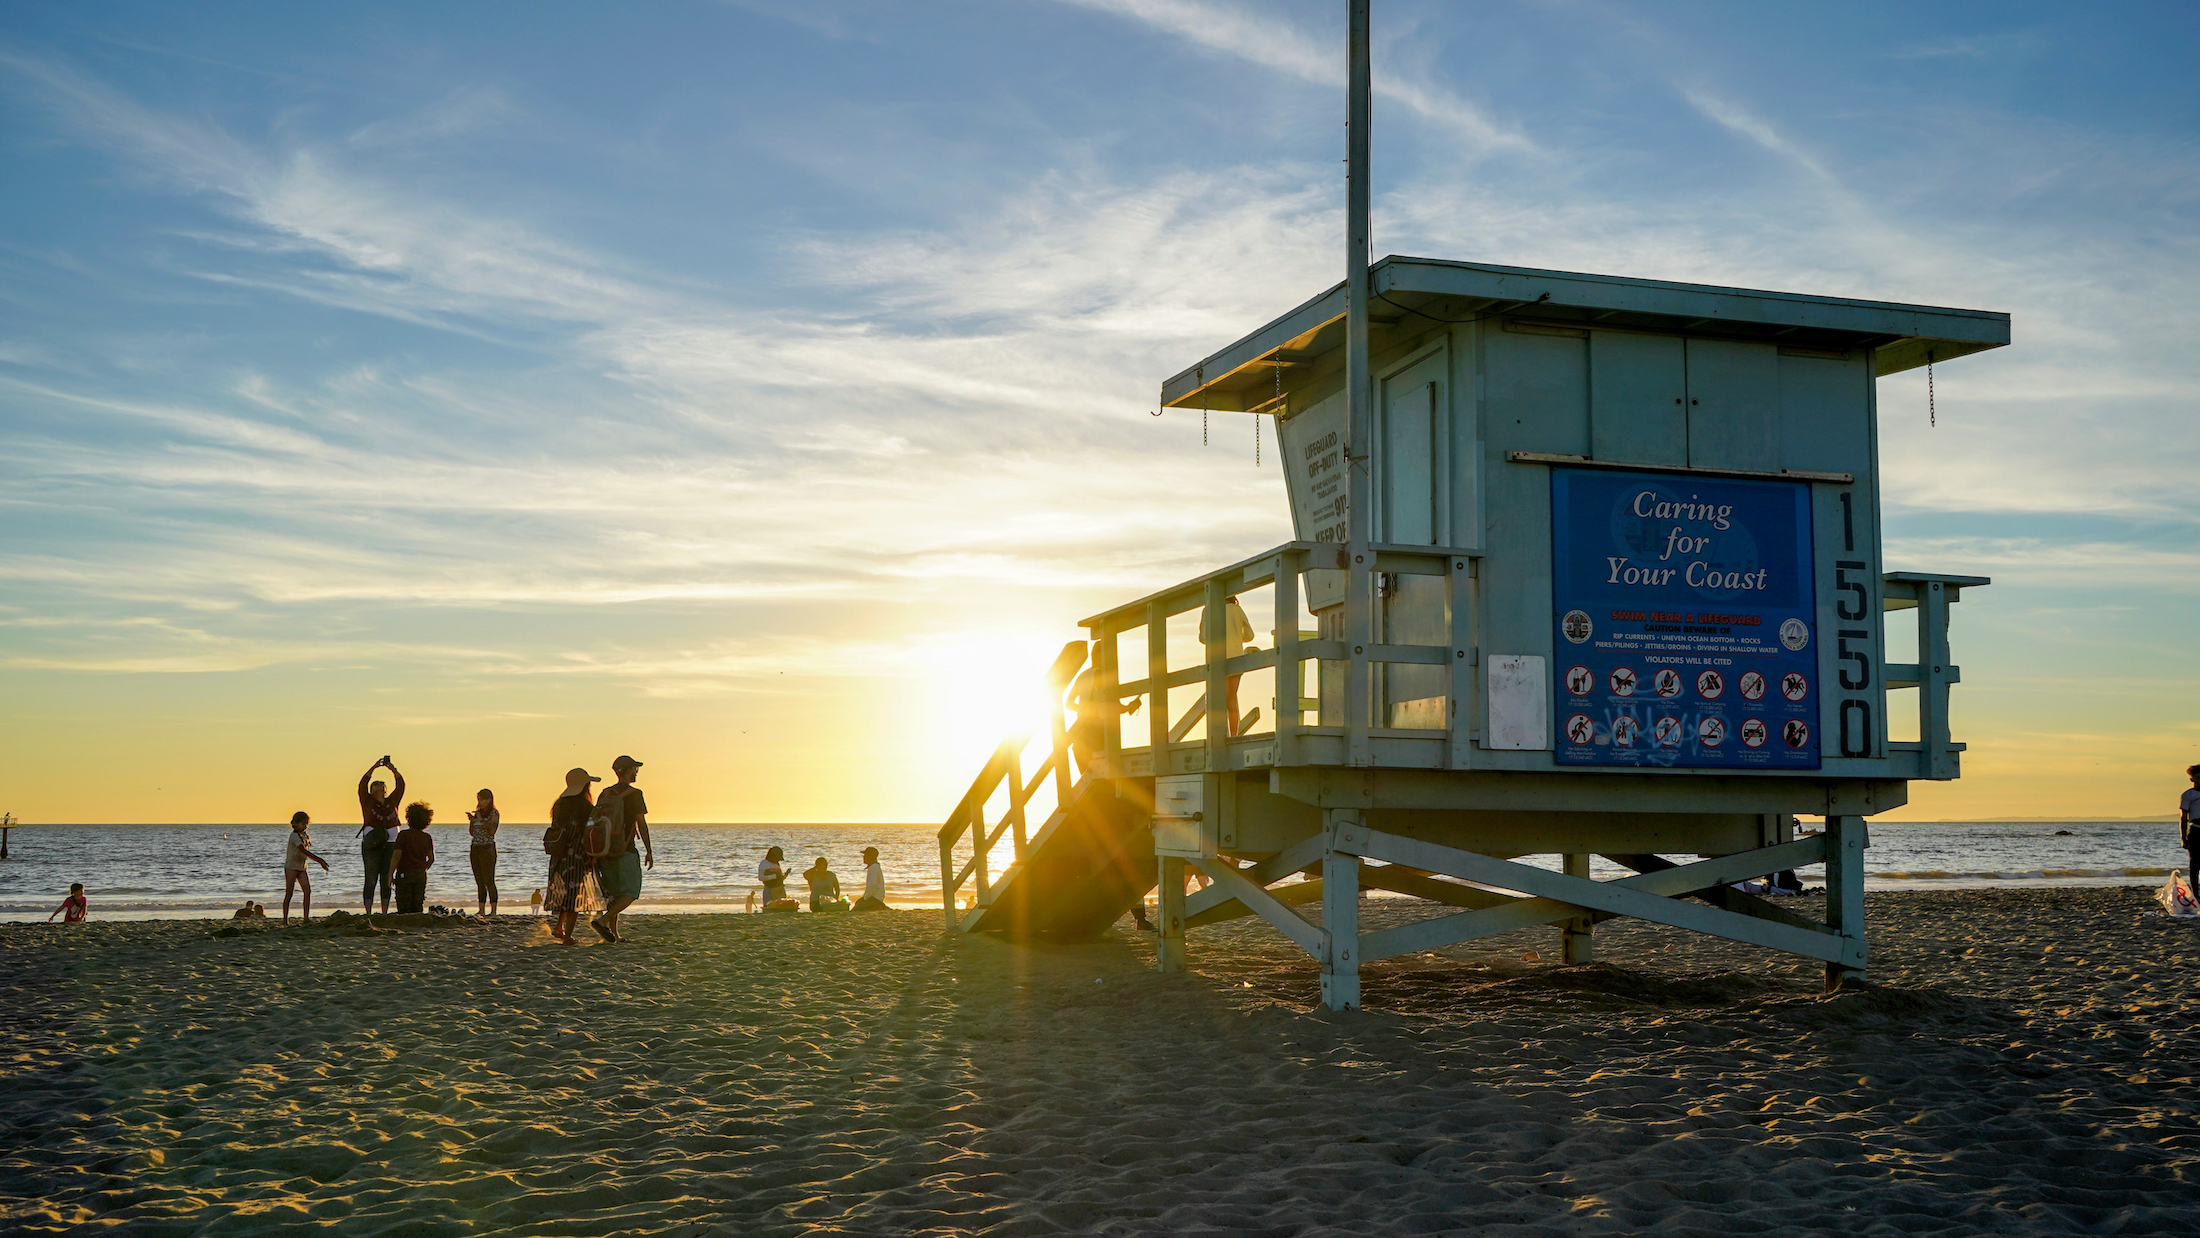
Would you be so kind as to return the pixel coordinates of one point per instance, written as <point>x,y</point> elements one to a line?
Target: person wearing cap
<point>874,883</point>
<point>571,873</point>
<point>620,872</point>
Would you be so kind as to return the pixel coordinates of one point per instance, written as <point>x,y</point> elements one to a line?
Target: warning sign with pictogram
<point>1681,603</point>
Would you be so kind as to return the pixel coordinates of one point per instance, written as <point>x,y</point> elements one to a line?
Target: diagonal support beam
<point>1288,922</point>
<point>1229,908</point>
<point>1555,896</point>
<point>1307,851</point>
<point>1724,896</point>
<point>1400,879</point>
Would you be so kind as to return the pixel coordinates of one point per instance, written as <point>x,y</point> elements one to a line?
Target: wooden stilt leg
<point>1341,916</point>
<point>1846,839</point>
<point>1574,934</point>
<point>1169,943</point>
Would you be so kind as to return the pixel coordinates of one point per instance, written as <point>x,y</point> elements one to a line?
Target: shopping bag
<point>2175,896</point>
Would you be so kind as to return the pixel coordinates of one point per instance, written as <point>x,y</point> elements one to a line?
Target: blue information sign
<point>1685,621</point>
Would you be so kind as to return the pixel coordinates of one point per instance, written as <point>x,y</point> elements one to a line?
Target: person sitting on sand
<point>773,874</point>
<point>74,908</point>
<point>242,913</point>
<point>378,815</point>
<point>481,850</point>
<point>411,859</point>
<point>874,883</point>
<point>297,849</point>
<point>824,886</point>
<point>572,875</point>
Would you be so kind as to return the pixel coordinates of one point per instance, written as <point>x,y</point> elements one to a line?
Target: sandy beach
<point>2027,1066</point>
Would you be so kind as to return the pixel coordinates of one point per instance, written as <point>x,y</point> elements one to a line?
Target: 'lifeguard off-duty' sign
<point>1685,620</point>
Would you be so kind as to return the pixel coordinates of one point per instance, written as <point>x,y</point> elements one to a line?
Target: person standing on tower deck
<point>2188,827</point>
<point>1234,634</point>
<point>624,812</point>
<point>378,812</point>
<point>1090,713</point>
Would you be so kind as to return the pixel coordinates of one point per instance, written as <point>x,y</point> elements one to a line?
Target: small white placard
<point>1519,717</point>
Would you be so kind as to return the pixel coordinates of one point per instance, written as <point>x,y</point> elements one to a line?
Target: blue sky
<point>517,385</point>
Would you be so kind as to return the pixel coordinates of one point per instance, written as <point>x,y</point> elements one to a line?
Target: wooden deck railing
<point>1348,724</point>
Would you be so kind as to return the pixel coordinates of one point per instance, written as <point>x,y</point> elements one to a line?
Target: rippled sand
<point>2028,1068</point>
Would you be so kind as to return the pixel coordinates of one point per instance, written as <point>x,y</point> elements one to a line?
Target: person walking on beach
<point>297,849</point>
<point>571,871</point>
<point>412,857</point>
<point>2188,827</point>
<point>874,883</point>
<point>481,850</point>
<point>624,814</point>
<point>378,812</point>
<point>74,908</point>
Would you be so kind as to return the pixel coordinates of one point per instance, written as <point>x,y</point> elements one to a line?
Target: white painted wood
<point>1519,702</point>
<point>1230,880</point>
<point>1341,911</point>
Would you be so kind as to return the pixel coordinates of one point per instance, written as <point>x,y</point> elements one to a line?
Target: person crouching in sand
<point>572,874</point>
<point>74,908</point>
<point>411,858</point>
<point>297,849</point>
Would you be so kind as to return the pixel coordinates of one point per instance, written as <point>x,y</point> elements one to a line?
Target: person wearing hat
<point>619,872</point>
<point>571,872</point>
<point>874,883</point>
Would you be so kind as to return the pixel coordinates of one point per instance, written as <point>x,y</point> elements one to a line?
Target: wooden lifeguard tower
<point>1582,565</point>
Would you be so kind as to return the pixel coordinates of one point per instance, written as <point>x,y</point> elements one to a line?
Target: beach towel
<point>2176,898</point>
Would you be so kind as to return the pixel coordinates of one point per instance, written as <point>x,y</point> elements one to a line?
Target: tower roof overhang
<point>1414,293</point>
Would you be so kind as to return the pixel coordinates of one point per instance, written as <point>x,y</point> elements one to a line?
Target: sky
<point>764,390</point>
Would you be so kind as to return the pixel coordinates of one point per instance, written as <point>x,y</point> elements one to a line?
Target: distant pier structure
<point>1582,566</point>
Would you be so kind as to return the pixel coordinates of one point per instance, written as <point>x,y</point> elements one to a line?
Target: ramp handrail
<point>1007,764</point>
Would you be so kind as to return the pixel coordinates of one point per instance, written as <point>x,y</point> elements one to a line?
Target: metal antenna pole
<point>1360,423</point>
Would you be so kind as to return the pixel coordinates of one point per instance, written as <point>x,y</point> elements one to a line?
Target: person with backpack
<point>572,872</point>
<point>621,815</point>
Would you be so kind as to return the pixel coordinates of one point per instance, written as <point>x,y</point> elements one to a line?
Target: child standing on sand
<point>74,905</point>
<point>297,849</point>
<point>412,857</point>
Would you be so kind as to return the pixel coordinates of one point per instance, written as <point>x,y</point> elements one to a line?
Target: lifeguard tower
<point>1582,566</point>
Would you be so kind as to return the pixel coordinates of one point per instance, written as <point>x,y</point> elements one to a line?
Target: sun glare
<point>989,685</point>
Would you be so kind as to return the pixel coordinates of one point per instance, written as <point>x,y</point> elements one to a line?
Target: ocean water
<point>159,871</point>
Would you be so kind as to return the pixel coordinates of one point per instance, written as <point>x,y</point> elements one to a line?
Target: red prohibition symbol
<point>1753,732</point>
<point>1667,730</point>
<point>1709,684</point>
<point>1711,732</point>
<point>1794,686</point>
<point>1623,731</point>
<point>1580,729</point>
<point>1795,733</point>
<point>1753,686</point>
<point>1667,681</point>
<point>1623,681</point>
<point>1579,679</point>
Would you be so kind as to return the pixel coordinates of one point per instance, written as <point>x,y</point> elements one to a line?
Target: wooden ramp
<point>1085,867</point>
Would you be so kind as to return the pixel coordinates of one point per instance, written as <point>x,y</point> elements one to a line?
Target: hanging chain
<point>1203,424</point>
<point>1932,401</point>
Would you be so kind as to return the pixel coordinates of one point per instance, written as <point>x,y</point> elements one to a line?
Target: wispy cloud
<point>1261,37</point>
